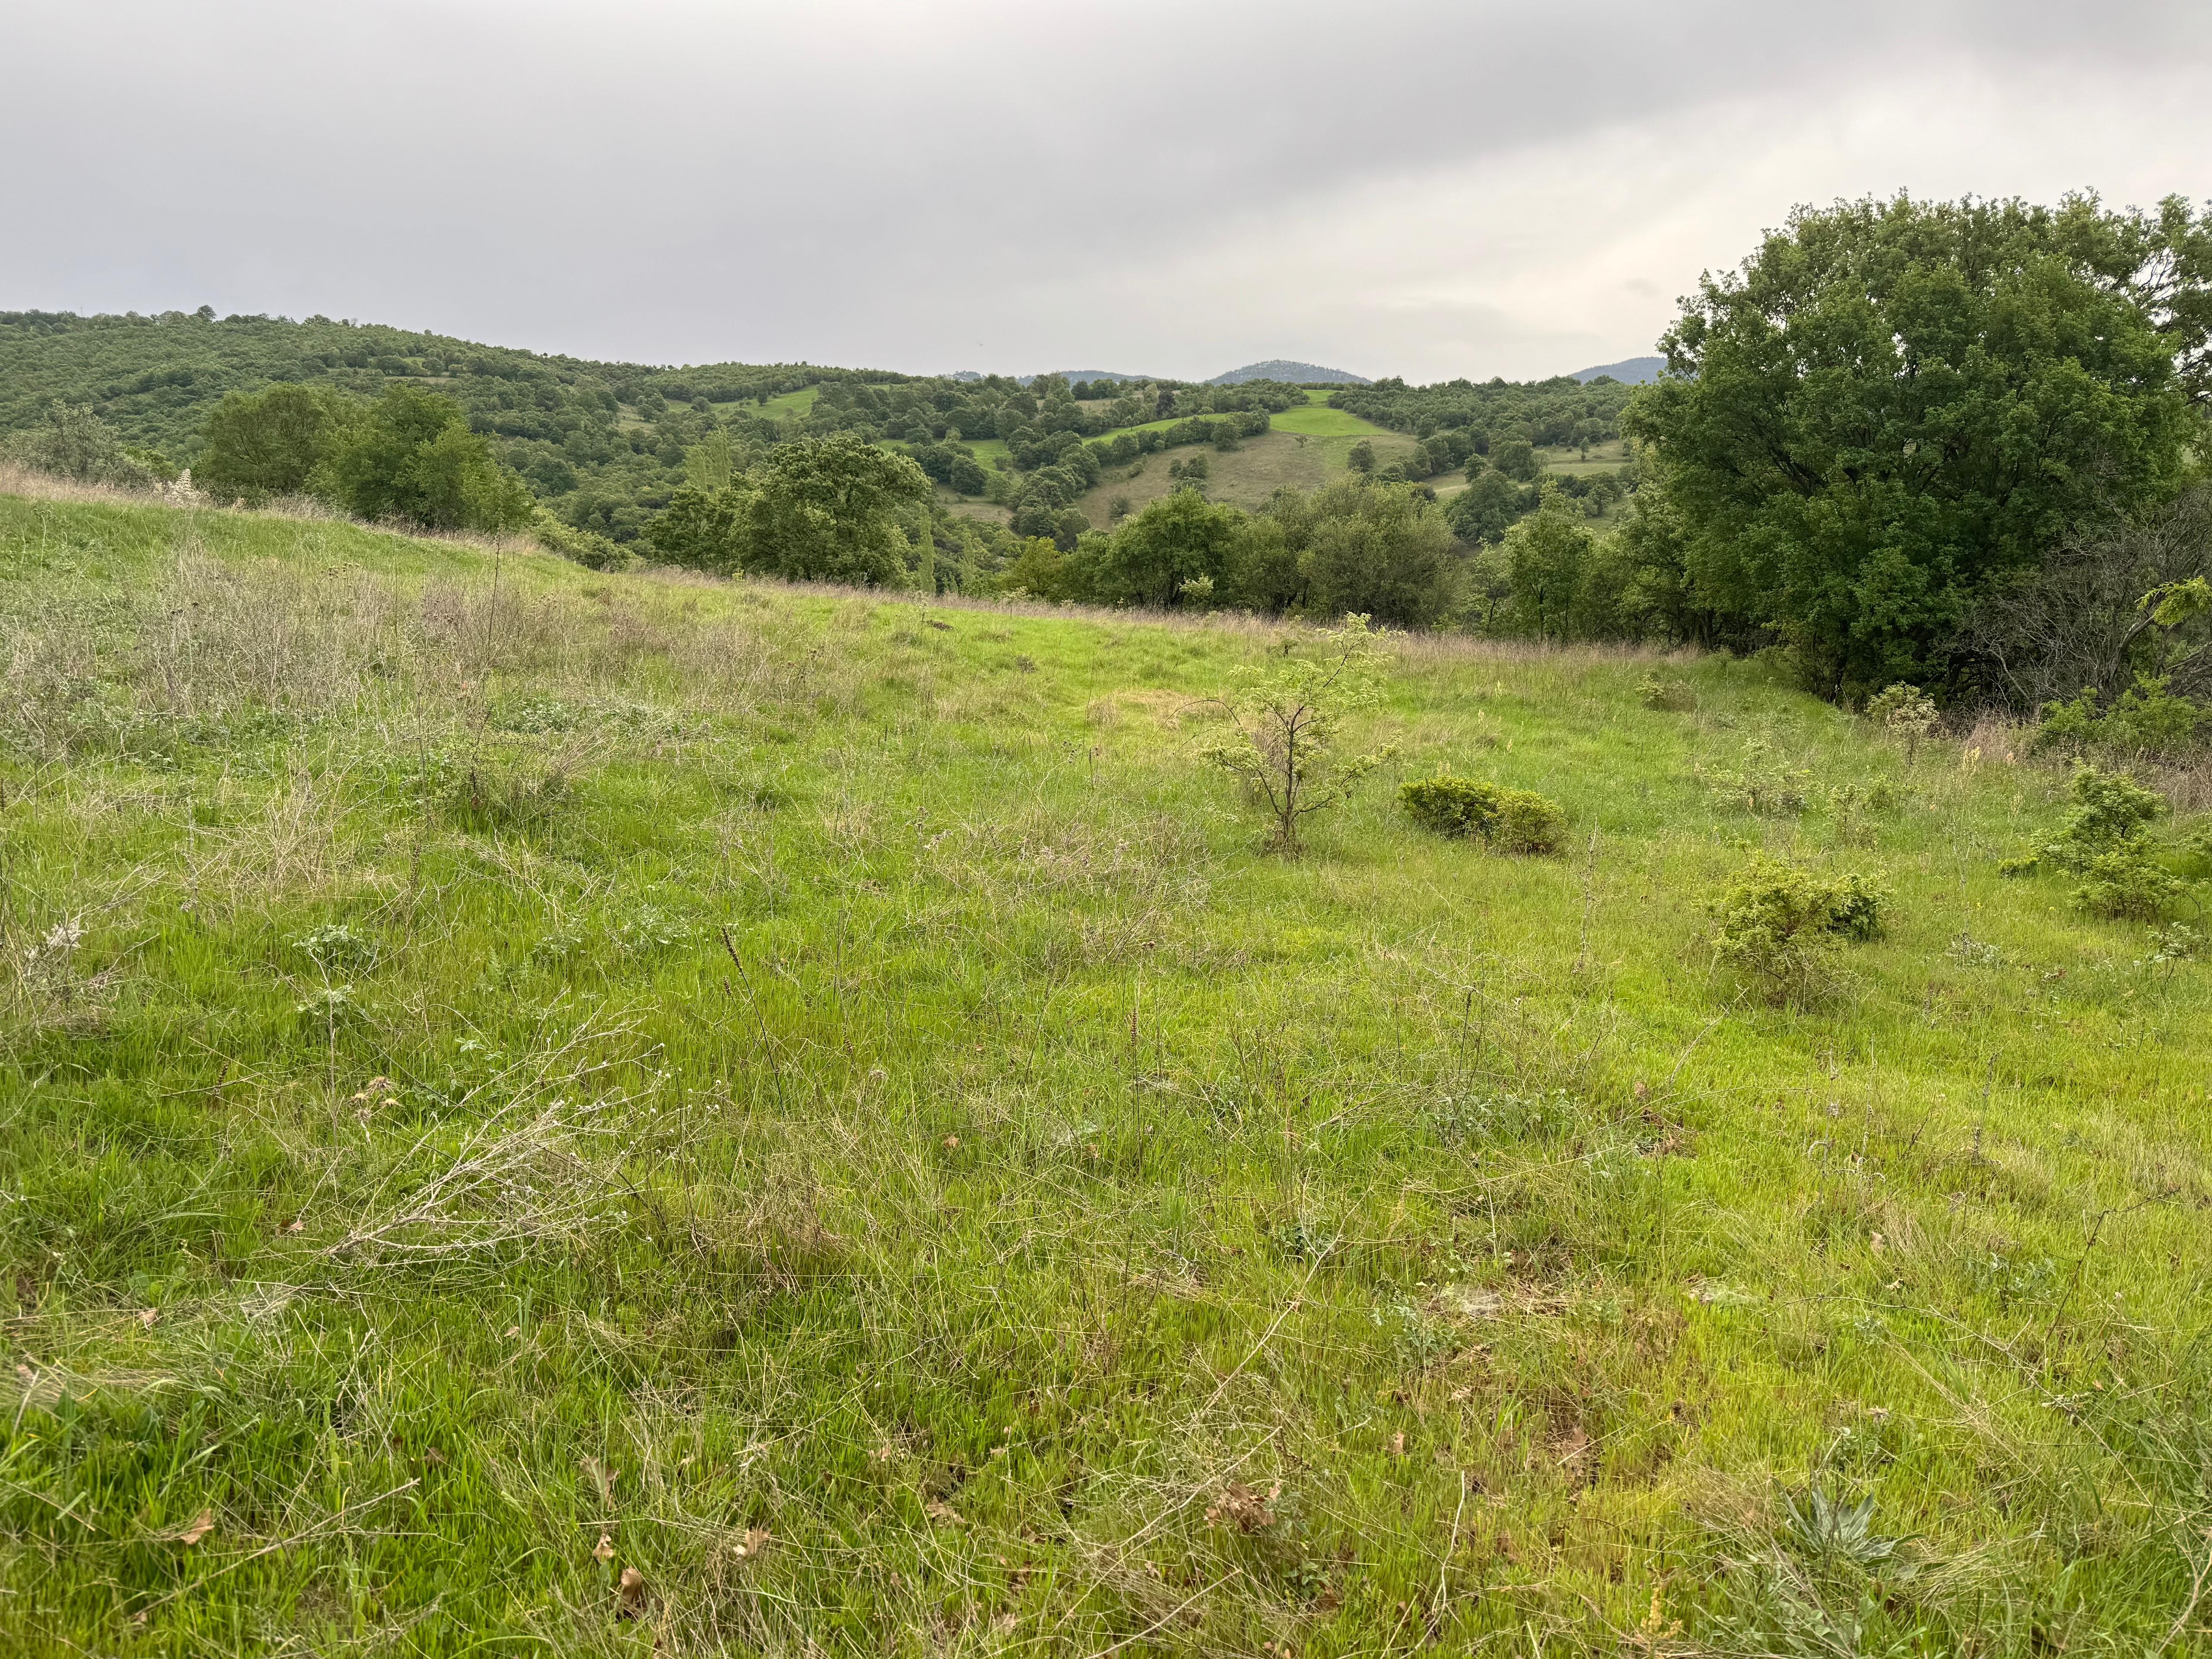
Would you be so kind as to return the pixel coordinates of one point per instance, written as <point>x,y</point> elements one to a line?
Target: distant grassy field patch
<point>785,405</point>
<point>1320,422</point>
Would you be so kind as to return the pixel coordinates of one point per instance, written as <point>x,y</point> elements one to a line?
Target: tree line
<point>1960,447</point>
<point>601,446</point>
<point>842,509</point>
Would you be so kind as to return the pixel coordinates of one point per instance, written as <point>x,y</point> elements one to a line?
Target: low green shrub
<point>1907,712</point>
<point>2147,719</point>
<point>2106,839</point>
<point>1668,696</point>
<point>586,547</point>
<point>2110,810</point>
<point>1528,823</point>
<point>338,950</point>
<point>1511,820</point>
<point>2178,944</point>
<point>1781,925</point>
<point>1449,805</point>
<point>1761,783</point>
<point>2127,885</point>
<point>2196,850</point>
<point>1856,907</point>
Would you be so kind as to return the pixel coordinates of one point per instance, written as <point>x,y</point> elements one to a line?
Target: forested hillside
<point>1277,368</point>
<point>604,446</point>
<point>1562,411</point>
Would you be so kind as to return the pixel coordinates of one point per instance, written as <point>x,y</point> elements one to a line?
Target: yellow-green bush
<point>1511,820</point>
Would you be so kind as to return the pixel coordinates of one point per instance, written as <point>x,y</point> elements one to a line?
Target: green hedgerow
<point>1510,820</point>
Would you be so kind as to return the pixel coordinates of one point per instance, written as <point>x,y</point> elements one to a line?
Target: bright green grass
<point>1314,420</point>
<point>1603,457</point>
<point>785,405</point>
<point>1322,423</point>
<point>496,1059</point>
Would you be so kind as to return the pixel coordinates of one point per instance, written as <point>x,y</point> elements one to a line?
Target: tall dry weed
<point>290,849</point>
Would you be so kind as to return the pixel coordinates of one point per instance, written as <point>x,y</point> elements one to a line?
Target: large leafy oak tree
<point>1893,405</point>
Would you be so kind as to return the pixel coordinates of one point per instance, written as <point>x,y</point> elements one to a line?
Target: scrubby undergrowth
<point>552,1110</point>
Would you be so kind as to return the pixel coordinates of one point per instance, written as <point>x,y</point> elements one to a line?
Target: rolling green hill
<point>546,1111</point>
<point>603,445</point>
<point>1292,374</point>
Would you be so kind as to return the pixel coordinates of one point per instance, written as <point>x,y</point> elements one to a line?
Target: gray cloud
<point>1423,188</point>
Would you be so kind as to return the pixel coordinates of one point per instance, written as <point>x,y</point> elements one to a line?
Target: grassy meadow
<point>554,1112</point>
<point>1246,477</point>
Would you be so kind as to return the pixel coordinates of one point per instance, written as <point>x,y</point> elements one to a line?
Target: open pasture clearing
<point>1320,422</point>
<point>786,406</point>
<point>1244,476</point>
<point>514,1076</point>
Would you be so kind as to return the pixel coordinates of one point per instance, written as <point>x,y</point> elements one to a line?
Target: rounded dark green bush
<point>1511,820</point>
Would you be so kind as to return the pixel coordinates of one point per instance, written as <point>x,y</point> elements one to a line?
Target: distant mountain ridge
<point>1629,371</point>
<point>1292,374</point>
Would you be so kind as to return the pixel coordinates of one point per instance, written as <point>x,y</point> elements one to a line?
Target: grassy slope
<point>786,404</point>
<point>1049,1224</point>
<point>1291,455</point>
<point>1305,449</point>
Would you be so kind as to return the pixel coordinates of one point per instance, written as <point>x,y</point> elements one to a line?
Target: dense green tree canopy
<point>1487,507</point>
<point>413,457</point>
<point>1547,557</point>
<point>702,528</point>
<point>828,509</point>
<point>1178,539</point>
<point>1893,405</point>
<point>1377,550</point>
<point>256,446</point>
<point>1558,411</point>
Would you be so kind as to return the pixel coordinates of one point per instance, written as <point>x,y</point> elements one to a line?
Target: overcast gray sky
<point>1425,188</point>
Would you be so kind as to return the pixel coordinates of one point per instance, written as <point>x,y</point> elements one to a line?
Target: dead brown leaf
<point>199,1530</point>
<point>632,1597</point>
<point>1241,1508</point>
<point>605,1549</point>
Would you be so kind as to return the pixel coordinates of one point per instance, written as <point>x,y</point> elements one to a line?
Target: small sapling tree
<point>1903,711</point>
<point>1283,739</point>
